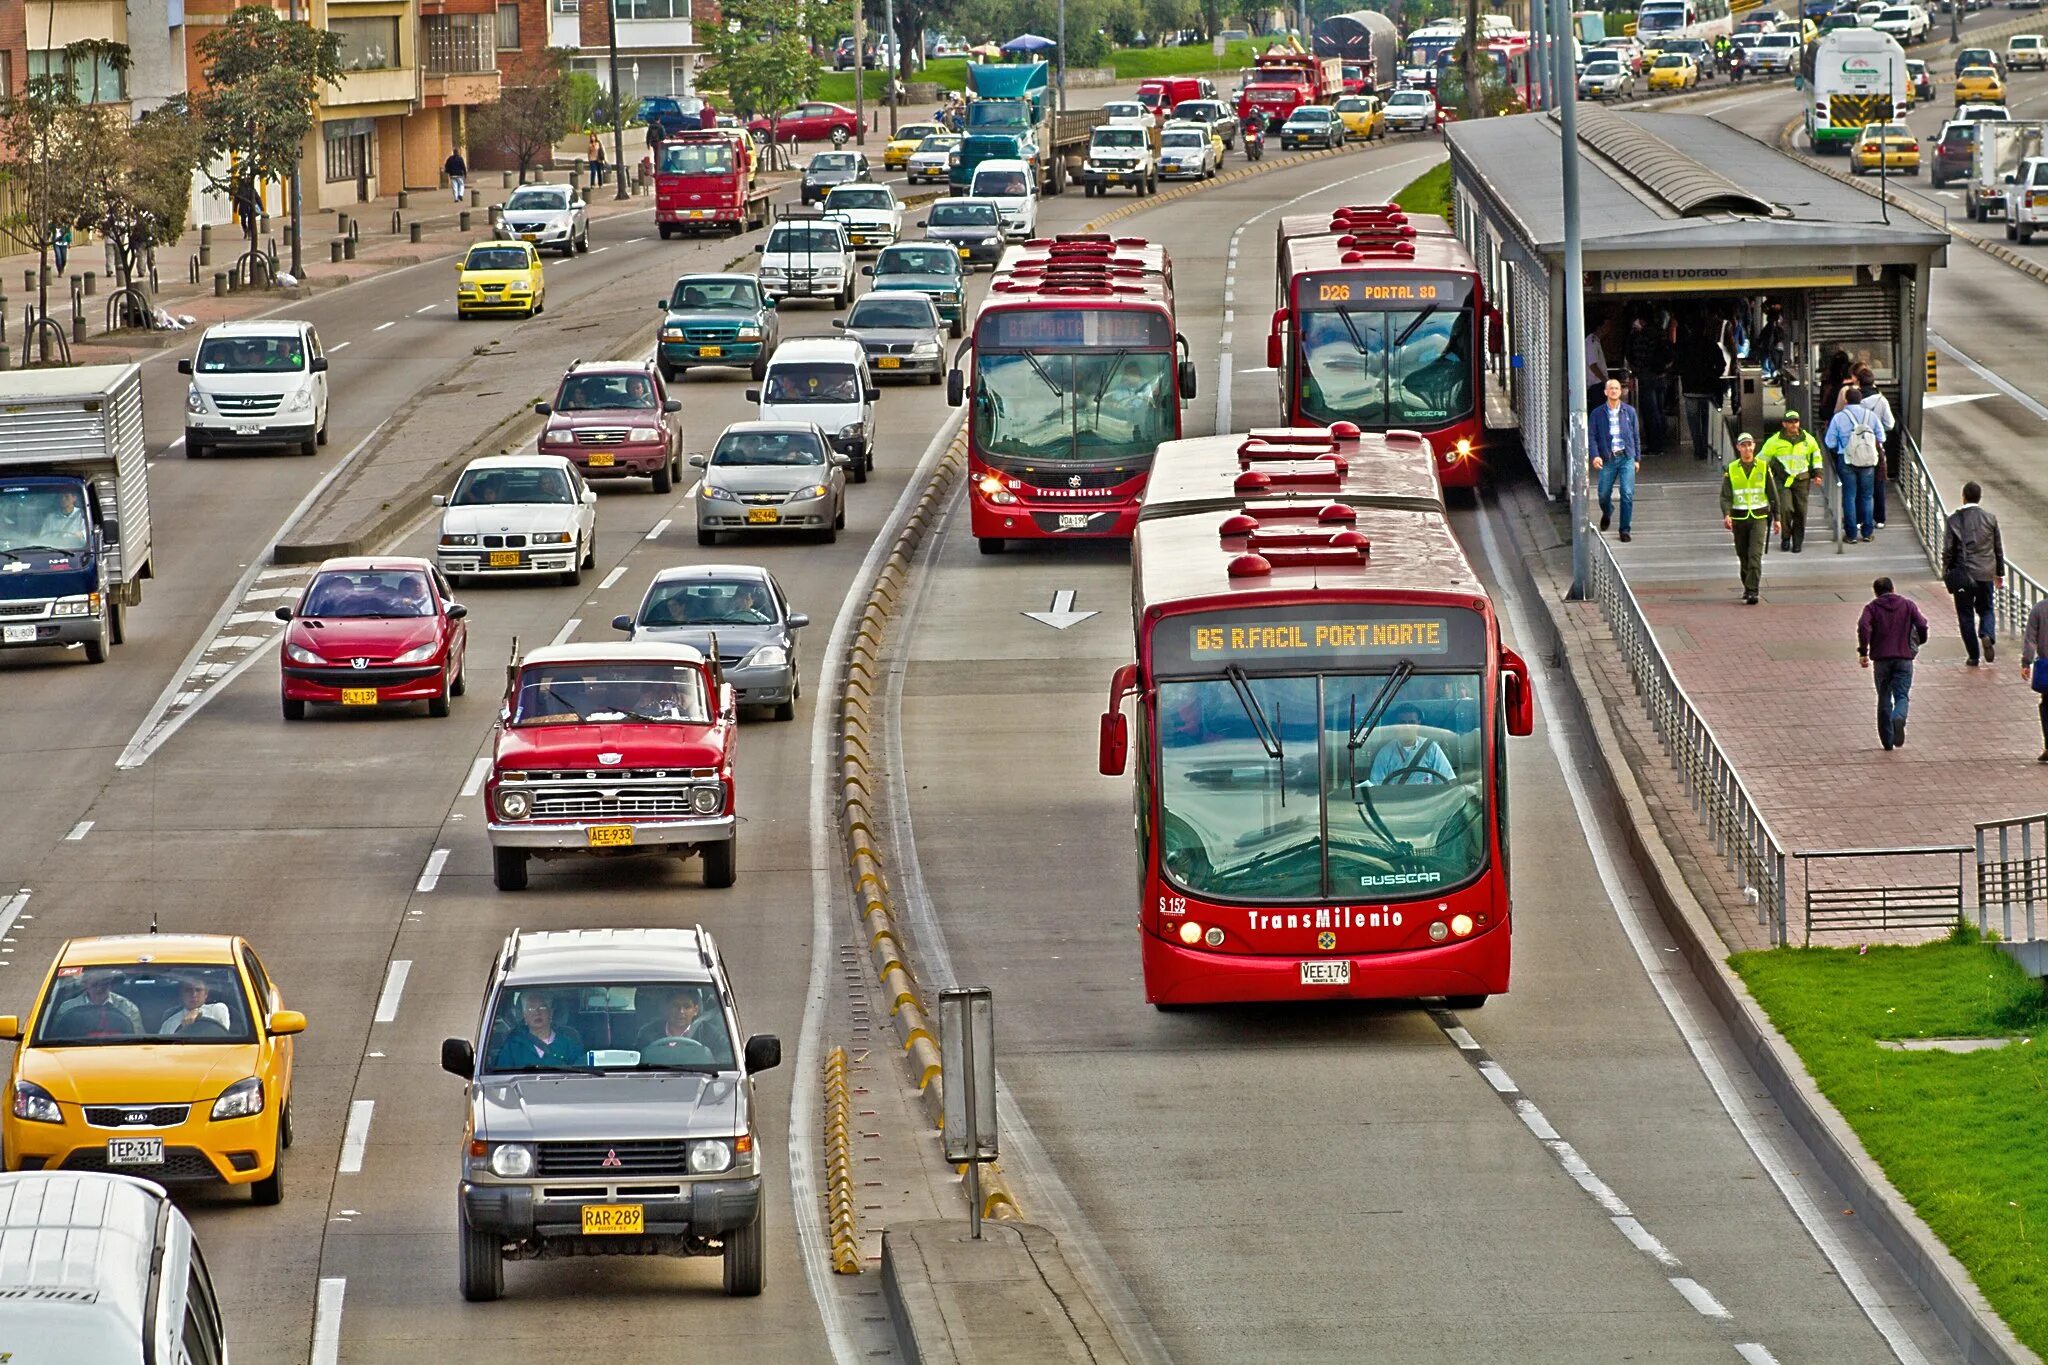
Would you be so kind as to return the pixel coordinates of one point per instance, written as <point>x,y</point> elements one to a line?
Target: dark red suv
<point>1952,152</point>
<point>615,420</point>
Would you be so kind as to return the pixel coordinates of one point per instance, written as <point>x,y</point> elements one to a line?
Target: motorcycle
<point>1254,140</point>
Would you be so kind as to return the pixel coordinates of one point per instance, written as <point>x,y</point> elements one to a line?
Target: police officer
<point>1795,456</point>
<point>1749,508</point>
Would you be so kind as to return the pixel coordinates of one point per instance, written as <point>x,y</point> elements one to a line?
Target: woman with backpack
<point>1857,438</point>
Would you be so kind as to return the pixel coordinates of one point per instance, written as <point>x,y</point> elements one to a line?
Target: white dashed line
<point>79,831</point>
<point>327,1321</point>
<point>655,532</point>
<point>382,325</point>
<point>614,576</point>
<point>431,877</point>
<point>357,1136</point>
<point>394,987</point>
<point>1705,1304</point>
<point>568,629</point>
<point>475,781</point>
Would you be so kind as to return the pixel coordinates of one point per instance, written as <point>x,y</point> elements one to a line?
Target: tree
<point>761,53</point>
<point>138,183</point>
<point>45,150</point>
<point>531,116</point>
<point>263,75</point>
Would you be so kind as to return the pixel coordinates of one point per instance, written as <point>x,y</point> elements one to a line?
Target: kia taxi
<point>165,1056</point>
<point>500,277</point>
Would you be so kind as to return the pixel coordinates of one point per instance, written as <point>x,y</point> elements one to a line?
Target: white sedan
<point>518,516</point>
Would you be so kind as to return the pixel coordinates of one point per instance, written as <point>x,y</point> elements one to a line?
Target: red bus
<point>1380,322</point>
<point>1323,700</point>
<point>1078,374</point>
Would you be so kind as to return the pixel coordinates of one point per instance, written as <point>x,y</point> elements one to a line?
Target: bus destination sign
<point>1316,637</point>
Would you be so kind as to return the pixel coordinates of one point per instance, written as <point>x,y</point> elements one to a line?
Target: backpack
<point>1862,451</point>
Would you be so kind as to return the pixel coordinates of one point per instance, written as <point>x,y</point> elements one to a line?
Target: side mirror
<point>543,410</point>
<point>624,623</point>
<point>764,1053</point>
<point>184,367</point>
<point>696,462</point>
<point>440,499</point>
<point>1187,380</point>
<point>841,322</point>
<point>282,1022</point>
<point>283,613</point>
<point>10,1028</point>
<point>456,611</point>
<point>797,620</point>
<point>753,395</point>
<point>319,364</point>
<point>1520,696</point>
<point>956,388</point>
<point>1113,748</point>
<point>671,405</point>
<point>1276,354</point>
<point>458,1057</point>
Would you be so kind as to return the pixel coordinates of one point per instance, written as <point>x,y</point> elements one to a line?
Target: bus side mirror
<point>1114,743</point>
<point>1187,380</point>
<point>1521,697</point>
<point>956,389</point>
<point>1275,355</point>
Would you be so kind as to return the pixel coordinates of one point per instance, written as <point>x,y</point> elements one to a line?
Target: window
<point>347,156</point>
<point>652,9</point>
<point>93,79</point>
<point>366,44</point>
<point>508,28</point>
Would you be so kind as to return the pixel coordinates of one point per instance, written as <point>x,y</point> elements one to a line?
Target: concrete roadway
<point>1295,1183</point>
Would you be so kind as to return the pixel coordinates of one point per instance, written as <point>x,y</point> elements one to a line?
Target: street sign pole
<point>968,1064</point>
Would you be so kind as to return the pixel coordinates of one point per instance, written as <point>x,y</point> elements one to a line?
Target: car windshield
<point>539,485</point>
<point>343,594</point>
<point>768,448</point>
<point>963,215</point>
<point>876,311</point>
<point>1003,184</point>
<point>609,1026</point>
<point>559,694</point>
<point>1100,407</point>
<point>160,1002</point>
<point>917,260</point>
<point>39,516</point>
<point>252,355</point>
<point>832,161</point>
<point>496,258</point>
<point>862,198</point>
<point>697,158</point>
<point>539,197</point>
<point>798,381</point>
<point>1184,139</point>
<point>1322,786</point>
<point>800,241</point>
<point>1395,367</point>
<point>604,393</point>
<point>742,294</point>
<point>702,602</point>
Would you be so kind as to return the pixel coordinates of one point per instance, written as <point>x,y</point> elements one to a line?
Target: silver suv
<point>611,1108</point>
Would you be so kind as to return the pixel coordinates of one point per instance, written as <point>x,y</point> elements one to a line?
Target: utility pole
<point>1574,326</point>
<point>298,261</point>
<point>611,39</point>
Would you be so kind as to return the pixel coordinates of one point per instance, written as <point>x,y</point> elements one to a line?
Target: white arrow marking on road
<point>1062,613</point>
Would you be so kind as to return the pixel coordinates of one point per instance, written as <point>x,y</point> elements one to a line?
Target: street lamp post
<point>611,39</point>
<point>1574,321</point>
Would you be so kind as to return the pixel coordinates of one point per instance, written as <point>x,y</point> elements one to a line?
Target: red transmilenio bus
<point>1078,375</point>
<point>1323,701</point>
<point>1380,322</point>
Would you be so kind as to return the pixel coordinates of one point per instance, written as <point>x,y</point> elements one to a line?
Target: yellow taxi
<point>904,141</point>
<point>500,277</point>
<point>1673,71</point>
<point>1886,146</point>
<point>165,1056</point>
<point>1979,85</point>
<point>1363,117</point>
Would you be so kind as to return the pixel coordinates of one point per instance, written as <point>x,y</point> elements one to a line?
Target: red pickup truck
<point>703,182</point>
<point>613,750</point>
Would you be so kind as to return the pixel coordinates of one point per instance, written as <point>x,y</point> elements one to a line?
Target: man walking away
<point>1972,563</point>
<point>1857,438</point>
<point>1889,634</point>
<point>2034,663</point>
<point>1749,507</point>
<point>1796,456</point>
<point>457,171</point>
<point>1615,440</point>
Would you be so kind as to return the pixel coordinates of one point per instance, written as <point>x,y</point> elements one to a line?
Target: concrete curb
<point>1950,1293</point>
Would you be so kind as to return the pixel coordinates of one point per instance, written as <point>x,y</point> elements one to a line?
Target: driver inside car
<point>1409,758</point>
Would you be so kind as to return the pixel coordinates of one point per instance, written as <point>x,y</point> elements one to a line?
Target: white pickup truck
<point>2026,199</point>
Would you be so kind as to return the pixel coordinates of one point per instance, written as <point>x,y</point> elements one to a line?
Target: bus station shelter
<point>1686,223</point>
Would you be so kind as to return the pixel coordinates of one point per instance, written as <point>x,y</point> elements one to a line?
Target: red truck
<point>1282,82</point>
<point>703,182</point>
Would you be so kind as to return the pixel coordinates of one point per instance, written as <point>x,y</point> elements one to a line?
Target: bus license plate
<point>135,1151</point>
<point>18,635</point>
<point>609,836</point>
<point>628,1219</point>
<point>504,559</point>
<point>601,461</point>
<point>358,696</point>
<point>1332,973</point>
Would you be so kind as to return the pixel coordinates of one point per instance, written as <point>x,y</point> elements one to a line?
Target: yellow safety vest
<point>1751,488</point>
<point>1794,457</point>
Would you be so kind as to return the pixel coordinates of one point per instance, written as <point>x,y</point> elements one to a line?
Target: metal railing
<point>2010,878</point>
<point>1742,836</point>
<point>1878,904</point>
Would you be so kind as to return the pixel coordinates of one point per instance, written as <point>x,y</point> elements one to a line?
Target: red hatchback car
<point>816,121</point>
<point>615,420</point>
<point>374,632</point>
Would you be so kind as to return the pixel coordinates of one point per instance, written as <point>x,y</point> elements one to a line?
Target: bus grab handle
<point>1521,697</point>
<point>1114,745</point>
<point>1275,356</point>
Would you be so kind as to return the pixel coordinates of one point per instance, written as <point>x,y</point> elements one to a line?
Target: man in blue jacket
<point>1615,441</point>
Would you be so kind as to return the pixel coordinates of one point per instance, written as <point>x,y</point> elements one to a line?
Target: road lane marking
<point>356,1136</point>
<point>79,831</point>
<point>614,576</point>
<point>327,1321</point>
<point>1992,378</point>
<point>1695,1294</point>
<point>394,987</point>
<point>431,876</point>
<point>1605,865</point>
<point>568,629</point>
<point>475,782</point>
<point>659,527</point>
<point>382,325</point>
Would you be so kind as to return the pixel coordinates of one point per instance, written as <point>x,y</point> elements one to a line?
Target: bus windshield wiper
<point>1361,729</point>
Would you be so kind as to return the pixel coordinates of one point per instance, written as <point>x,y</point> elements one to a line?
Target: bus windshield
<point>1388,367</point>
<point>1322,786</point>
<point>1093,406</point>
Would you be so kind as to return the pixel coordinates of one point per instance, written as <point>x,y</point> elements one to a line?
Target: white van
<point>1008,182</point>
<point>256,384</point>
<point>101,1268</point>
<point>825,380</point>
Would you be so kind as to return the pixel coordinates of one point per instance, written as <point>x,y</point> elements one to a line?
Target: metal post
<point>1574,326</point>
<point>611,39</point>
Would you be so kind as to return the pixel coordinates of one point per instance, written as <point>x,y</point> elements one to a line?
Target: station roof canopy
<point>1651,184</point>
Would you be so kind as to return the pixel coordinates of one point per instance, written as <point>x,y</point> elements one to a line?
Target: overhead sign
<point>1724,279</point>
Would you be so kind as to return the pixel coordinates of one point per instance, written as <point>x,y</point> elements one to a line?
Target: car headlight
<point>299,654</point>
<point>750,333</point>
<point>807,493</point>
<point>76,606</point>
<point>300,400</point>
<point>515,805</point>
<point>458,540</point>
<point>642,435</point>
<point>767,656</point>
<point>419,654</point>
<point>511,1160</point>
<point>551,537</point>
<point>35,1104</point>
<point>710,1157</point>
<point>195,401</point>
<point>713,493</point>
<point>706,800</point>
<point>241,1100</point>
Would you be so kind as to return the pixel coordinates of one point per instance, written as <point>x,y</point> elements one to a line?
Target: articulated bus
<point>1660,21</point>
<point>1078,374</point>
<point>1380,321</point>
<point>1322,704</point>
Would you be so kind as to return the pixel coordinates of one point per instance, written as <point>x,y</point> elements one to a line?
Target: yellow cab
<point>1673,71</point>
<point>165,1056</point>
<point>1362,115</point>
<point>1886,146</point>
<point>500,277</point>
<point>904,141</point>
<point>1979,85</point>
